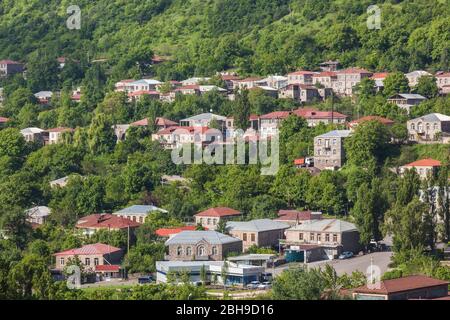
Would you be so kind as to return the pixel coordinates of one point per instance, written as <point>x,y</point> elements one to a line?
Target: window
<point>334,142</point>
<point>201,251</point>
<point>311,237</point>
<point>419,127</point>
<point>209,220</point>
<point>253,237</point>
<point>300,236</point>
<point>334,151</point>
<point>214,250</point>
<point>428,126</point>
<point>319,142</point>
<point>244,237</point>
<point>335,238</point>
<point>201,220</point>
<point>327,237</point>
<point>435,126</point>
<point>189,251</point>
<point>214,221</point>
<point>61,261</point>
<point>95,261</point>
<point>87,261</point>
<point>179,251</point>
<point>141,219</point>
<point>319,237</point>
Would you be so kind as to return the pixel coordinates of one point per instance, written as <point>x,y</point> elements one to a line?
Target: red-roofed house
<point>102,259</point>
<point>90,224</point>
<point>211,217</point>
<point>300,92</point>
<point>349,78</point>
<point>175,136</point>
<point>295,217</point>
<point>168,232</point>
<point>406,288</point>
<point>161,123</point>
<point>301,77</point>
<point>9,67</point>
<point>53,135</point>
<point>423,167</point>
<point>385,121</point>
<point>443,82</point>
<point>137,95</point>
<point>314,116</point>
<point>325,78</point>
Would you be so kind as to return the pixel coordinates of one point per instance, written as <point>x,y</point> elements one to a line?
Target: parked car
<point>253,285</point>
<point>265,285</point>
<point>145,279</point>
<point>346,255</point>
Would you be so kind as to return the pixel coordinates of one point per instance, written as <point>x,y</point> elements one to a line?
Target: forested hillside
<point>256,36</point>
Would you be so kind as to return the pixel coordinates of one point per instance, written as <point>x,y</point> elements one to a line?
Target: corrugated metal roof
<point>139,210</point>
<point>193,237</point>
<point>336,133</point>
<point>329,225</point>
<point>256,225</point>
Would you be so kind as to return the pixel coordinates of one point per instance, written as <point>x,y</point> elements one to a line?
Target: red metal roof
<point>311,113</point>
<point>159,122</point>
<point>166,232</point>
<point>353,71</point>
<point>382,120</point>
<point>380,75</point>
<point>90,249</point>
<point>301,73</point>
<point>3,119</point>
<point>106,221</point>
<point>293,215</point>
<point>108,268</point>
<point>218,212</point>
<point>299,161</point>
<point>402,284</point>
<point>325,74</point>
<point>276,115</point>
<point>424,163</point>
<point>142,92</point>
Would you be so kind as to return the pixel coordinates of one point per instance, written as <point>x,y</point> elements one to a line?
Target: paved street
<point>359,263</point>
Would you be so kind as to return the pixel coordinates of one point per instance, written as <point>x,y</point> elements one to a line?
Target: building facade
<point>329,152</point>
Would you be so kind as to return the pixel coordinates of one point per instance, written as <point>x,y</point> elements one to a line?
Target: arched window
<point>413,126</point>
<point>201,251</point>
<point>428,126</point>
<point>214,250</point>
<point>419,126</point>
<point>189,251</point>
<point>179,251</point>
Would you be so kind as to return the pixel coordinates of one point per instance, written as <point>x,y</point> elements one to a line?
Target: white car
<point>253,285</point>
<point>265,285</point>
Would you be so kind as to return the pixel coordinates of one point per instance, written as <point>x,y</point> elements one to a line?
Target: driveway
<point>358,263</point>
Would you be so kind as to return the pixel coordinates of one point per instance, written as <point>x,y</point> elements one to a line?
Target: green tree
<point>101,137</point>
<point>242,110</point>
<point>42,71</point>
<point>394,83</point>
<point>427,87</point>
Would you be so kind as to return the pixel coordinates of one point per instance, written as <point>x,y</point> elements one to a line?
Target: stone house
<point>329,152</point>
<point>430,128</point>
<point>210,218</point>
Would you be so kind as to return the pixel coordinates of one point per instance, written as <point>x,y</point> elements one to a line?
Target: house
<point>102,259</point>
<point>379,78</point>
<point>3,121</point>
<point>44,97</point>
<point>325,78</point>
<point>204,120</point>
<point>172,179</point>
<point>329,152</point>
<point>194,81</point>
<point>124,85</point>
<point>260,232</point>
<point>322,239</point>
<point>32,134</point>
<point>414,76</point>
<point>270,123</point>
<point>228,79</point>
<point>430,128</point>
<point>295,217</point>
<point>54,135</point>
<point>443,82</point>
<point>406,100</point>
<point>176,136</point>
<point>271,92</point>
<point>76,95</point>
<point>120,131</point>
<point>406,288</point>
<point>61,182</point>
<point>300,77</point>
<point>138,213</point>
<point>274,81</point>
<point>210,218</point>
<point>347,79</point>
<point>424,167</point>
<point>94,222</point>
<point>246,83</point>
<point>300,92</point>
<point>196,89</point>
<point>201,245</point>
<point>313,116</point>
<point>236,274</point>
<point>169,232</point>
<point>137,95</point>
<point>329,65</point>
<point>38,214</point>
<point>387,122</point>
<point>10,67</point>
<point>61,61</point>
<point>160,123</point>
<point>144,85</point>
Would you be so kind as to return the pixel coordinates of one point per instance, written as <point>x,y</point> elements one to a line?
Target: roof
<point>301,73</point>
<point>193,237</point>
<point>205,116</point>
<point>228,77</point>
<point>252,257</point>
<point>105,220</point>
<point>3,119</point>
<point>146,81</point>
<point>183,130</point>
<point>443,75</point>
<point>326,225</point>
<point>432,117</point>
<point>107,267</point>
<point>408,96</point>
<point>40,211</point>
<point>259,225</point>
<point>7,61</point>
<point>311,113</point>
<point>417,73</point>
<point>424,163</point>
<point>166,232</point>
<point>336,133</point>
<point>139,210</point>
<point>249,79</point>
<point>353,71</point>
<point>380,75</point>
<point>402,284</point>
<point>325,74</point>
<point>276,115</point>
<point>142,92</point>
<point>31,130</point>
<point>218,212</point>
<point>299,161</point>
<point>294,215</point>
<point>382,120</point>
<point>43,94</point>
<point>90,249</point>
<point>159,122</point>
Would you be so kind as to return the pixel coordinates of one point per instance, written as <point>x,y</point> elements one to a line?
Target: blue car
<point>346,255</point>
<point>145,279</point>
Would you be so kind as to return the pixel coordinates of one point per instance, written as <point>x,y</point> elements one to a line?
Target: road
<point>359,263</point>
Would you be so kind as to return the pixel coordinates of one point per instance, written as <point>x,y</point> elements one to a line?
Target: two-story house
<point>347,79</point>
<point>10,67</point>
<point>424,167</point>
<point>430,128</point>
<point>329,152</point>
<point>210,218</point>
<point>300,77</point>
<point>406,100</point>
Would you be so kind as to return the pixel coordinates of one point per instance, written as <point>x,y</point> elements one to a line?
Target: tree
<point>242,110</point>
<point>42,71</point>
<point>298,284</point>
<point>14,225</point>
<point>12,143</point>
<point>395,83</point>
<point>222,227</point>
<point>427,87</point>
<point>101,137</point>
